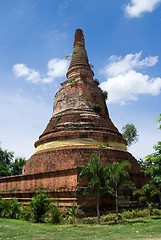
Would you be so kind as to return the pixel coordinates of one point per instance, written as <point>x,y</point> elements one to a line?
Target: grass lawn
<point>140,228</point>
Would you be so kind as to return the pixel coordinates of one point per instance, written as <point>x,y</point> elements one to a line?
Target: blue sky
<point>122,41</point>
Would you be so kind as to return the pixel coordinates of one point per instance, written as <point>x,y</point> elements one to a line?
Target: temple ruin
<point>79,127</point>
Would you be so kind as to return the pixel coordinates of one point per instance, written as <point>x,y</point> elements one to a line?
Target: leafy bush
<point>26,213</point>
<point>10,208</point>
<point>134,214</point>
<point>96,107</point>
<point>156,211</point>
<point>73,212</point>
<point>56,214</point>
<point>109,217</point>
<point>40,204</point>
<point>89,220</point>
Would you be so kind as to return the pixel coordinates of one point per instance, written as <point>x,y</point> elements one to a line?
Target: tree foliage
<point>130,134</point>
<point>9,165</point>
<point>117,180</point>
<point>159,121</point>
<point>146,193</point>
<point>95,173</point>
<point>151,165</point>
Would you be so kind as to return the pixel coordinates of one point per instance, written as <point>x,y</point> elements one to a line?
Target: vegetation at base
<point>130,134</point>
<point>40,205</point>
<point>9,165</point>
<point>95,173</point>
<point>109,178</point>
<point>117,181</point>
<point>151,166</point>
<point>96,107</point>
<point>56,214</point>
<point>10,208</point>
<point>73,212</point>
<point>141,228</point>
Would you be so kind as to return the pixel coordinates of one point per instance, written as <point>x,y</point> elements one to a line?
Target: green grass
<point>140,228</point>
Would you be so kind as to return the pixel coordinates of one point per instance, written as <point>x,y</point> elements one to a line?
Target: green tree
<point>95,173</point>
<point>17,165</point>
<point>10,165</point>
<point>151,165</point>
<point>159,120</point>
<point>117,181</point>
<point>146,193</point>
<point>6,158</point>
<point>130,134</point>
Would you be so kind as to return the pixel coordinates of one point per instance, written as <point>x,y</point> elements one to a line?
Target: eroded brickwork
<point>76,130</point>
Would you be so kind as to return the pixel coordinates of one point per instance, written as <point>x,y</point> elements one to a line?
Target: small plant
<point>86,99</point>
<point>73,212</point>
<point>96,107</point>
<point>40,204</point>
<point>56,214</point>
<point>105,94</point>
<point>58,117</point>
<point>73,81</point>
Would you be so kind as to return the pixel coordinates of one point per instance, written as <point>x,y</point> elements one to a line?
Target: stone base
<point>74,156</point>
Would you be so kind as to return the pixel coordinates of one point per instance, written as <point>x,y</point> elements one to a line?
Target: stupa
<point>79,127</point>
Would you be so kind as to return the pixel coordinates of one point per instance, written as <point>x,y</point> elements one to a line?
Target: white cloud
<point>124,83</point>
<point>136,7</point>
<point>56,68</point>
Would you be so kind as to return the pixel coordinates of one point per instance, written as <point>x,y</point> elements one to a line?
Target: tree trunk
<point>149,209</point>
<point>117,214</point>
<point>98,208</point>
<point>160,198</point>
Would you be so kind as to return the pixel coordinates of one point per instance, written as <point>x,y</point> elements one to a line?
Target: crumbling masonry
<point>79,127</point>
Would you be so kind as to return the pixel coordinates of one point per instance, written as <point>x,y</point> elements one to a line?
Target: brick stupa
<point>79,127</point>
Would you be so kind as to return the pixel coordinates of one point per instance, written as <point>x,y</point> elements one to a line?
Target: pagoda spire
<point>79,56</point>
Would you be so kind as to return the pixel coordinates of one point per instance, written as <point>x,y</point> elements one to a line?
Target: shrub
<point>40,204</point>
<point>156,211</point>
<point>56,214</point>
<point>96,107</point>
<point>73,212</point>
<point>134,214</point>
<point>10,208</point>
<point>89,220</point>
<point>109,217</point>
<point>26,213</point>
